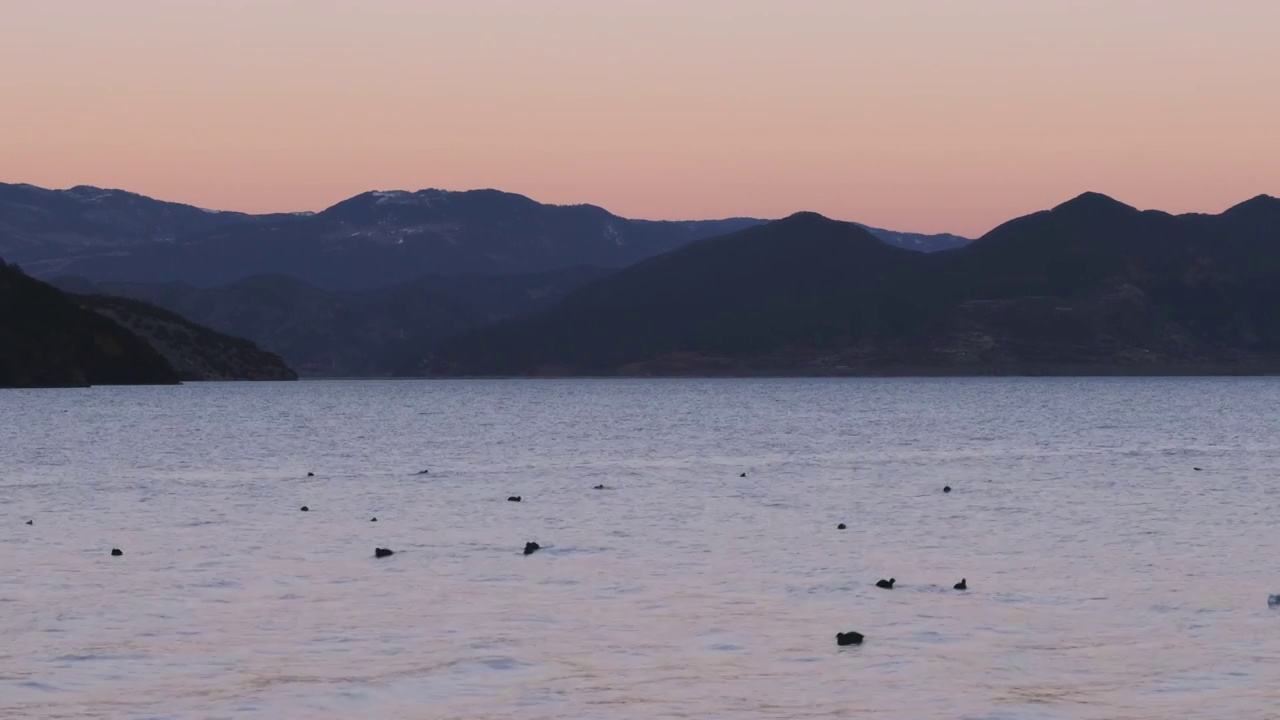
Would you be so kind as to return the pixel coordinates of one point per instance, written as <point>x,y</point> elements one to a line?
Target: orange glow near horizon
<point>922,115</point>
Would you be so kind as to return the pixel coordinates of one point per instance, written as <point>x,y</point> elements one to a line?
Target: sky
<point>919,115</point>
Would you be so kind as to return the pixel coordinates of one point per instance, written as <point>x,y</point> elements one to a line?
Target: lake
<point>1108,578</point>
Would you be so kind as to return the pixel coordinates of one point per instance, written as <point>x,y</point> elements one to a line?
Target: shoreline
<point>1038,371</point>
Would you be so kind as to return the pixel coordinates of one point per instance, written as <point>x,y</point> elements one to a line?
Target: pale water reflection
<point>1107,578</point>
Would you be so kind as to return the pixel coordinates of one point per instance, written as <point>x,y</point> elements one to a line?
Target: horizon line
<point>1084,194</point>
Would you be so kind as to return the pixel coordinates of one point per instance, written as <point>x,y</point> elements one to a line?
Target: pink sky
<point>926,115</point>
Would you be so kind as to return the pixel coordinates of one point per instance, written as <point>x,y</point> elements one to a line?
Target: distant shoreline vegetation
<point>1051,371</point>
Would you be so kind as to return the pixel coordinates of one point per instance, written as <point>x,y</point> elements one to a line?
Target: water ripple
<point>1108,580</point>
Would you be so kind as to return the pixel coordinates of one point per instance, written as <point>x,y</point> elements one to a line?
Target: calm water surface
<point>1108,578</point>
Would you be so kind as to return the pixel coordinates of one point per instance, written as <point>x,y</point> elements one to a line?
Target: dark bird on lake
<point>598,487</point>
<point>373,519</point>
<point>962,585</point>
<point>306,509</point>
<point>887,584</point>
<point>946,488</point>
<point>514,498</point>
<point>1196,469</point>
<point>531,548</point>
<point>1273,601</point>
<point>311,474</point>
<point>116,552</point>
<point>383,552</point>
<point>423,472</point>
<point>849,638</point>
<point>743,475</point>
<point>31,522</point>
<point>840,526</point>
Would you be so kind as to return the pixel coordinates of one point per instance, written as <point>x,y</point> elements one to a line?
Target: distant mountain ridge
<point>373,240</point>
<point>921,242</point>
<point>36,222</point>
<point>1092,286</point>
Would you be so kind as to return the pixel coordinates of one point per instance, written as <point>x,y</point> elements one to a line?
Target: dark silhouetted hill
<point>48,340</point>
<point>196,352</point>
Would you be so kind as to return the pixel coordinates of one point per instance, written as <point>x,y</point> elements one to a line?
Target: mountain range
<point>1091,286</point>
<point>371,241</point>
<point>490,283</point>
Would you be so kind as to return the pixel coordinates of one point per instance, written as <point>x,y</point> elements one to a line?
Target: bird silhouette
<point>849,638</point>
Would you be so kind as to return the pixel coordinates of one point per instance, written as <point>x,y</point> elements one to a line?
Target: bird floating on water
<point>849,638</point>
<point>531,548</point>
<point>116,552</point>
<point>840,526</point>
<point>383,552</point>
<point>962,585</point>
<point>886,584</point>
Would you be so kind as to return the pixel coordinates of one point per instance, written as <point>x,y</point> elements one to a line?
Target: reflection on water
<point>1107,578</point>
